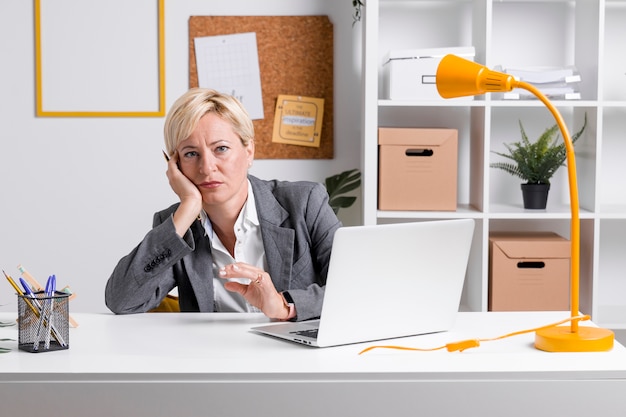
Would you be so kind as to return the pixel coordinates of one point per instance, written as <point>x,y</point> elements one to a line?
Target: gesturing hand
<point>260,292</point>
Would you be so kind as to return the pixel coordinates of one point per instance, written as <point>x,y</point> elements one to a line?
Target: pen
<point>26,287</point>
<point>28,292</point>
<point>167,158</point>
<point>51,285</point>
<point>50,290</point>
<point>45,319</point>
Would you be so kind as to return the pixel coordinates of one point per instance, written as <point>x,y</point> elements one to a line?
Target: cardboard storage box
<point>529,271</point>
<point>410,74</point>
<point>417,169</point>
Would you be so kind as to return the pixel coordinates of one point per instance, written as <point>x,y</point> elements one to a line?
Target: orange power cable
<point>472,343</point>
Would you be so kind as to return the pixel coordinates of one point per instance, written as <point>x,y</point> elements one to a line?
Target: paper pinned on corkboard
<point>295,58</point>
<point>230,63</point>
<point>298,120</point>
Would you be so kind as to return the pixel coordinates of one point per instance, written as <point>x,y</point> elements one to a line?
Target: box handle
<point>418,152</point>
<point>531,265</point>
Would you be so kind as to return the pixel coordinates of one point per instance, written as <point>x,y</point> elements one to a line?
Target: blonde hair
<point>189,108</point>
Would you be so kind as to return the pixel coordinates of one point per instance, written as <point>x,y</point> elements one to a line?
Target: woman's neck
<point>223,223</point>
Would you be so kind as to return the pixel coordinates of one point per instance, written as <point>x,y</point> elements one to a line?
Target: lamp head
<point>458,77</point>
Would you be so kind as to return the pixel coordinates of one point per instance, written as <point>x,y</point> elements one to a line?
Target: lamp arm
<point>574,203</point>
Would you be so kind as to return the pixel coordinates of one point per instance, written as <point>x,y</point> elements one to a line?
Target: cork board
<point>295,58</point>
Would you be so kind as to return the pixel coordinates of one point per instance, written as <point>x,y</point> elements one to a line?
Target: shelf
<point>501,211</point>
<point>588,34</point>
<point>431,103</point>
<point>463,211</point>
<point>538,104</point>
<point>612,211</point>
<point>493,103</point>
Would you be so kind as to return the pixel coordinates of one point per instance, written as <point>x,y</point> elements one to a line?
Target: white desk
<point>212,365</point>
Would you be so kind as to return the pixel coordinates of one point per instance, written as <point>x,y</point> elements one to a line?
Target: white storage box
<point>410,74</point>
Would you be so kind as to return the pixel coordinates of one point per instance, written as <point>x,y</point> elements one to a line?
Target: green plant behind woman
<point>339,184</point>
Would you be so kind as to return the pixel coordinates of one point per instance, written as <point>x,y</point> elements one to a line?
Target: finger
<point>176,159</point>
<point>172,160</point>
<point>238,270</point>
<point>172,166</point>
<point>236,287</point>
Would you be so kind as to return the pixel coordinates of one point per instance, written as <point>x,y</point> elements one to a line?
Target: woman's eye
<point>190,154</point>
<point>221,149</point>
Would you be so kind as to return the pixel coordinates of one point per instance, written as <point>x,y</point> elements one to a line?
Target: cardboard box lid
<point>464,51</point>
<point>415,136</point>
<point>532,245</point>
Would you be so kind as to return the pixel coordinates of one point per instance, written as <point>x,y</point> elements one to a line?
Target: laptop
<point>387,281</point>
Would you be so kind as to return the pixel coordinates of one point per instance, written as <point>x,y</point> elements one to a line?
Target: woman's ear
<point>250,151</point>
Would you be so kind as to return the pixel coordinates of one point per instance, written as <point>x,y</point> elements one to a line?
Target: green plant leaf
<point>536,162</point>
<point>339,184</point>
<point>341,202</point>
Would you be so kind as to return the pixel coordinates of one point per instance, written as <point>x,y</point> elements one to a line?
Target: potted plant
<point>536,162</point>
<point>339,184</point>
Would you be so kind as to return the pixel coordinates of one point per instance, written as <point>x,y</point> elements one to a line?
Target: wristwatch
<point>289,304</point>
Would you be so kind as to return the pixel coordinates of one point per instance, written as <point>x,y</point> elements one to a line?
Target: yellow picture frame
<point>158,111</point>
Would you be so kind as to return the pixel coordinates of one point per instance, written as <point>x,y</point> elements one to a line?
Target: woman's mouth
<point>210,184</point>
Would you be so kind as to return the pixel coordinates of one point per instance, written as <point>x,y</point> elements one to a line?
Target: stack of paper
<point>560,83</point>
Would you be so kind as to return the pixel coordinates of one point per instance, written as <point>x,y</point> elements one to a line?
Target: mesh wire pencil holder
<point>43,322</point>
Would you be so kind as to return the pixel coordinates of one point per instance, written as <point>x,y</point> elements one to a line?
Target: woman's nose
<point>207,163</point>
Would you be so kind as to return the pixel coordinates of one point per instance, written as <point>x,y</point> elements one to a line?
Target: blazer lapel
<point>199,268</point>
<point>279,243</point>
<point>277,240</point>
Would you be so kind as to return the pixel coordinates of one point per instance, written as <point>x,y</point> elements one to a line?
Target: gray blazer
<point>297,227</point>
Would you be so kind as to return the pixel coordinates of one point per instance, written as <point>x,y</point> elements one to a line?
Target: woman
<point>234,242</point>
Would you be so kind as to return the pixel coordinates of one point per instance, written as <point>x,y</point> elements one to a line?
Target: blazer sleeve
<point>143,278</point>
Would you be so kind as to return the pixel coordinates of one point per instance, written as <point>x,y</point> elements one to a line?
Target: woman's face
<point>216,161</point>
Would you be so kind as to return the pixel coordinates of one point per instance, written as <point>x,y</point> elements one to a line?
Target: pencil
<point>34,284</point>
<point>167,158</point>
<point>20,292</point>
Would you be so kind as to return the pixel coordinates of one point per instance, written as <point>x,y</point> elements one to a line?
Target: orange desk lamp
<point>457,77</point>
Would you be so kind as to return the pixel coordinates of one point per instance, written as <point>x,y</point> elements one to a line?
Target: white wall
<point>79,193</point>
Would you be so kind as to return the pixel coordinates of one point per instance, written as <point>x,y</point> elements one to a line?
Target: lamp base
<point>562,339</point>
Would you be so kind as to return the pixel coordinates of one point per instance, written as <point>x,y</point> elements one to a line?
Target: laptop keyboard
<point>312,333</point>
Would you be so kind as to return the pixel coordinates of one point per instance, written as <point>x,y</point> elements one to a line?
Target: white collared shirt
<point>248,248</point>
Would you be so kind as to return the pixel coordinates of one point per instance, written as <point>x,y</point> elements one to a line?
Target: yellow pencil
<point>20,293</point>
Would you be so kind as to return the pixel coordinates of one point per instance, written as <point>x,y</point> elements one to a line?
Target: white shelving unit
<point>586,33</point>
